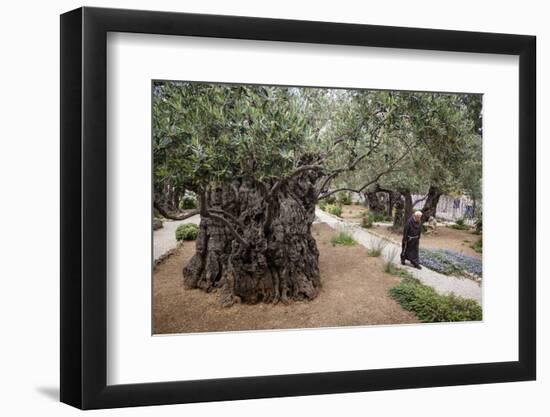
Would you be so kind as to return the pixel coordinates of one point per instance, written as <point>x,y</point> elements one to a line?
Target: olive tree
<point>260,158</point>
<point>247,153</point>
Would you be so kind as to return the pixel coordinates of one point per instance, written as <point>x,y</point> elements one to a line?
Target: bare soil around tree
<point>353,212</point>
<point>354,293</point>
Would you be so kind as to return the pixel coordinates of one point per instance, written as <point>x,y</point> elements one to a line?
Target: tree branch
<point>296,172</point>
<point>373,181</point>
<point>230,227</point>
<point>419,200</point>
<point>170,216</point>
<point>229,215</point>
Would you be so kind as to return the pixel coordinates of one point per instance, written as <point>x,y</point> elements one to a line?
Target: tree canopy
<point>205,134</point>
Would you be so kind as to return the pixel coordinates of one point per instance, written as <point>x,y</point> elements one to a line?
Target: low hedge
<point>430,307</point>
<point>188,231</point>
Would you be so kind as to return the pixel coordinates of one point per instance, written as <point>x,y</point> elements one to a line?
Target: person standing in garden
<point>411,240</point>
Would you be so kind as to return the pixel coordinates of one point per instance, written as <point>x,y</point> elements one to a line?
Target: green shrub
<point>188,202</point>
<point>380,217</point>
<point>334,209</point>
<point>478,246</point>
<point>188,231</point>
<point>392,269</point>
<point>366,221</point>
<point>430,307</point>
<point>343,238</point>
<point>375,252</point>
<point>323,204</point>
<point>331,199</point>
<point>459,225</point>
<point>344,199</point>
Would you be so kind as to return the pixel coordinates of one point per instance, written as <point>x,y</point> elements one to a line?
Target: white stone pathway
<point>443,284</point>
<point>164,239</point>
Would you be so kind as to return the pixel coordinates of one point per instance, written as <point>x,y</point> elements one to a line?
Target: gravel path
<point>164,239</point>
<point>443,284</point>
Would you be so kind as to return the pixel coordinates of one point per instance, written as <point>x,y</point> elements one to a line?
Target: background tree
<point>446,157</point>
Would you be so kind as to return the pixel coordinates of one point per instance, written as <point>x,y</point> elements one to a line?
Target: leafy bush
<point>392,269</point>
<point>366,221</point>
<point>323,204</point>
<point>334,209</point>
<point>478,246</point>
<point>188,202</point>
<point>380,217</point>
<point>459,225</point>
<point>343,238</point>
<point>188,231</point>
<point>449,262</point>
<point>344,199</point>
<point>430,307</point>
<point>331,199</point>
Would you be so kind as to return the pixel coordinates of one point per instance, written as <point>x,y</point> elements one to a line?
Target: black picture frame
<point>84,207</point>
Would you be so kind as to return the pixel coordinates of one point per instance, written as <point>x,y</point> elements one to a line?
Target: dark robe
<point>411,240</point>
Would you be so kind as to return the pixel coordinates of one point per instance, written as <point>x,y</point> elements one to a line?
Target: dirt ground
<point>355,292</point>
<point>445,238</point>
<point>353,212</point>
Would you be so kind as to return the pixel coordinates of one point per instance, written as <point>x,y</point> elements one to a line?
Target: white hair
<point>418,213</point>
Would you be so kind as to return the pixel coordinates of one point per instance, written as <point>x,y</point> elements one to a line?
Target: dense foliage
<point>343,238</point>
<point>404,142</point>
<point>188,231</point>
<point>430,307</point>
<point>459,225</point>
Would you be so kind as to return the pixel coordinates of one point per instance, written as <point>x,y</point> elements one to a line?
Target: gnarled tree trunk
<point>375,205</point>
<point>255,242</point>
<point>430,205</point>
<point>403,209</point>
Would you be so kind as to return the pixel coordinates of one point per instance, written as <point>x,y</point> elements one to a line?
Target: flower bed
<point>450,263</point>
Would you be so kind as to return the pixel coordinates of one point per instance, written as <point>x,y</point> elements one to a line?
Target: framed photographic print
<point>256,208</point>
